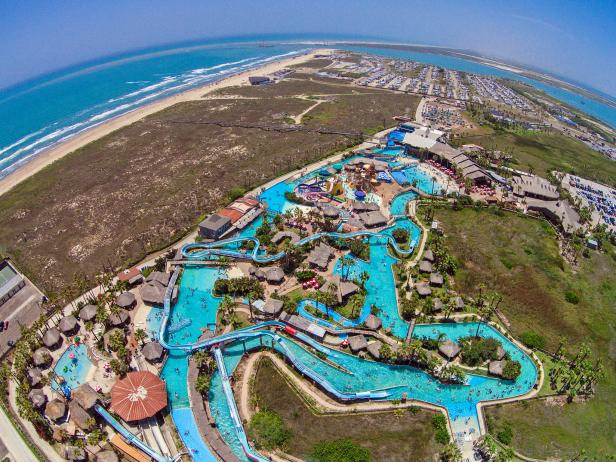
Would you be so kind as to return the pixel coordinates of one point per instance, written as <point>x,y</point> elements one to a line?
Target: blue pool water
<point>75,370</point>
<point>197,303</point>
<point>460,400</point>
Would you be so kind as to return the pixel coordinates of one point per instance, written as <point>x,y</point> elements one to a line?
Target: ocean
<point>40,113</point>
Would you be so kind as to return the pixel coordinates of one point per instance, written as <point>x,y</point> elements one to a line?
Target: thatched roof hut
<point>55,409</point>
<point>52,338</point>
<point>449,349</point>
<point>160,277</point>
<point>86,396</point>
<point>459,303</point>
<point>500,353</point>
<point>496,368</point>
<point>152,351</point>
<point>37,398</point>
<point>374,349</point>
<point>436,279</point>
<point>429,256</point>
<point>425,266</point>
<point>88,312</point>
<point>423,289</point>
<point>272,306</point>
<point>80,416</point>
<point>35,376</point>
<point>373,322</point>
<point>275,275</point>
<point>437,304</point>
<point>68,324</point>
<point>119,319</point>
<point>358,343</point>
<point>153,293</point>
<point>41,357</point>
<point>107,456</point>
<point>126,300</point>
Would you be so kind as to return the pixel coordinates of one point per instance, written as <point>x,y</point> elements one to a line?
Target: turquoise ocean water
<point>48,110</point>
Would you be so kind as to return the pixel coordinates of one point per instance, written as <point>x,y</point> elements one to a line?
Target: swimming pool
<point>74,370</point>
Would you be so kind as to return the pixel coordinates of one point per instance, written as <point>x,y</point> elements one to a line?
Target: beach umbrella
<point>41,357</point>
<point>55,409</point>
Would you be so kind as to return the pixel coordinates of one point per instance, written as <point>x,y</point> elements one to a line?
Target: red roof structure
<point>138,396</point>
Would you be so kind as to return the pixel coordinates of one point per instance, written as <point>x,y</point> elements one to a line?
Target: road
<point>16,446</point>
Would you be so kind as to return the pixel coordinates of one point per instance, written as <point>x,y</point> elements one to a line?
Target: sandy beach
<point>54,153</point>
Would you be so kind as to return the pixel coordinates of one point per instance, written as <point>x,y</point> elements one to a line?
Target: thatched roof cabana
<point>52,338</point>
<point>126,300</point>
<point>160,277</point>
<point>275,275</point>
<point>425,266</point>
<point>55,409</point>
<point>119,319</point>
<point>152,351</point>
<point>272,306</point>
<point>153,293</point>
<point>107,456</point>
<point>429,256</point>
<point>80,416</point>
<point>374,349</point>
<point>357,343</point>
<point>449,349</point>
<point>35,376</point>
<point>437,304</point>
<point>459,303</point>
<point>41,357</point>
<point>436,279</point>
<point>373,322</point>
<point>500,353</point>
<point>68,324</point>
<point>86,396</point>
<point>496,368</point>
<point>88,312</point>
<point>423,289</point>
<point>37,398</point>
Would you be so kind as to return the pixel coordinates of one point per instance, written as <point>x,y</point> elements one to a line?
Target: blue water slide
<point>201,251</point>
<point>129,437</point>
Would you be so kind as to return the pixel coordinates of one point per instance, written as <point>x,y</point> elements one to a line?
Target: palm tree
<point>251,296</point>
<point>363,277</point>
<point>485,313</point>
<point>562,346</point>
<point>346,263</point>
<point>451,453</point>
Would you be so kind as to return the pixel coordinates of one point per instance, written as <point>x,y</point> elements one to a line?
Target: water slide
<point>235,415</point>
<point>129,437</point>
<point>202,251</point>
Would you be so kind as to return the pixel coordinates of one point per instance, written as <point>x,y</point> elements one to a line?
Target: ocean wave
<point>169,85</point>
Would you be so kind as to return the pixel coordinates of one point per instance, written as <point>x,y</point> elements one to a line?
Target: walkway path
<point>16,446</point>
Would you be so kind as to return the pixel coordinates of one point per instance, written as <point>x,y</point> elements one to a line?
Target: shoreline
<point>54,153</point>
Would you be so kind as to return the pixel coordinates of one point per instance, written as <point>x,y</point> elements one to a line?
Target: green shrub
<point>342,450</point>
<point>505,436</point>
<point>512,370</point>
<point>572,297</point>
<point>532,339</point>
<point>268,430</point>
<point>439,424</point>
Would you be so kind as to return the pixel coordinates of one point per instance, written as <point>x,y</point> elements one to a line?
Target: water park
<point>331,275</point>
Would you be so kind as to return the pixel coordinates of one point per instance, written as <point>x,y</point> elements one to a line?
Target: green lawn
<point>389,437</point>
<point>543,152</point>
<point>518,256</point>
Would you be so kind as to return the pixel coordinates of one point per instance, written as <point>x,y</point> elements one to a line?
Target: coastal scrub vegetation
<point>385,435</point>
<point>343,450</point>
<point>534,286</point>
<point>126,195</point>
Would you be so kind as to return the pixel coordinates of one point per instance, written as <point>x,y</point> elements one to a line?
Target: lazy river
<point>196,309</point>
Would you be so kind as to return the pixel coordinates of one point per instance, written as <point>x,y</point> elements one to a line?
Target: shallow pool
<point>74,370</point>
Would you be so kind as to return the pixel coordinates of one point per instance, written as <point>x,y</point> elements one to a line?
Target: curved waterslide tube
<point>129,437</point>
<point>210,249</point>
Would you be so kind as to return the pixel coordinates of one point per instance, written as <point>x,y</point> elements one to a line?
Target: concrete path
<point>16,446</point>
